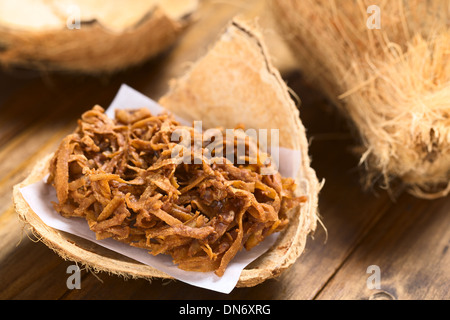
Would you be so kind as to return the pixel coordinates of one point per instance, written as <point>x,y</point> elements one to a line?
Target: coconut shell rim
<point>56,50</point>
<point>92,22</point>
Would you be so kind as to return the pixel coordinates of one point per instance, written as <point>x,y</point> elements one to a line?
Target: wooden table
<point>407,238</point>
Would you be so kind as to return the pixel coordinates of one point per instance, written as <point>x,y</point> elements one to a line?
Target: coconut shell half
<point>86,36</point>
<point>391,82</point>
<point>234,83</point>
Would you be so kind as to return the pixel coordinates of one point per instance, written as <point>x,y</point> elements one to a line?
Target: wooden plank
<point>346,223</point>
<point>299,282</point>
<point>30,270</point>
<point>410,247</point>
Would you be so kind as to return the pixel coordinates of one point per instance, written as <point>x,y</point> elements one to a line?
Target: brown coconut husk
<point>113,35</point>
<point>392,83</point>
<point>234,83</point>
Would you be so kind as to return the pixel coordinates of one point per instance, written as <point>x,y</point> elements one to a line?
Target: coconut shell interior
<point>233,83</point>
<point>43,34</point>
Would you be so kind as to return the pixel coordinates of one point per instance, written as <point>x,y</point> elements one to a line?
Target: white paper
<point>128,98</point>
<point>40,195</point>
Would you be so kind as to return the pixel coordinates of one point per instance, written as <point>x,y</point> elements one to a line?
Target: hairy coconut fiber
<point>393,82</point>
<point>215,90</point>
<point>89,36</point>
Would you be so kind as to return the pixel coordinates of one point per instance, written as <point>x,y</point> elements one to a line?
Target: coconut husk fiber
<point>112,35</point>
<point>216,90</point>
<point>393,83</point>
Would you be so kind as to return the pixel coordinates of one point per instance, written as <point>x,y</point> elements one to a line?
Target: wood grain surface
<point>406,237</point>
